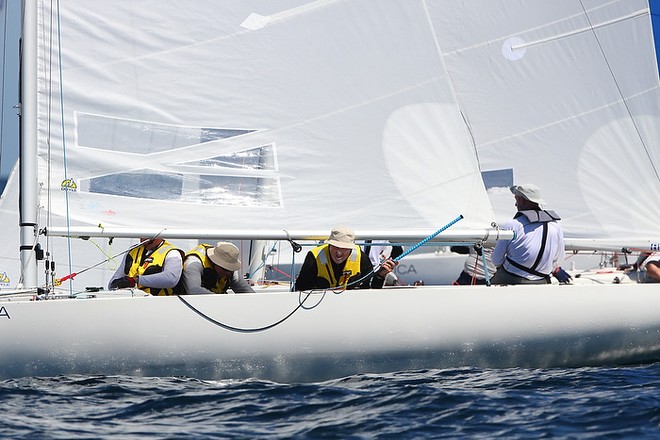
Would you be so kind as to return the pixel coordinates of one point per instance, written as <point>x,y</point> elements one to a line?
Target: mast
<point>28,146</point>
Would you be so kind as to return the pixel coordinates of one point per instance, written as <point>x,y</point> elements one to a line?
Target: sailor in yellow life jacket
<point>213,269</point>
<point>154,266</point>
<point>340,262</point>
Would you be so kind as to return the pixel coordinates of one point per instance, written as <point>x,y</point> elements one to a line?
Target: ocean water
<point>579,403</point>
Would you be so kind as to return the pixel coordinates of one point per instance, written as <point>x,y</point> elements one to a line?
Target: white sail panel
<point>196,118</point>
<point>453,171</point>
<point>565,95</point>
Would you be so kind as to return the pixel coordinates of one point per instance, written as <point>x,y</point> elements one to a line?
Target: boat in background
<point>407,120</point>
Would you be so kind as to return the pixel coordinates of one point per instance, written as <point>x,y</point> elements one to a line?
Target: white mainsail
<point>241,116</point>
<point>198,121</point>
<point>193,120</point>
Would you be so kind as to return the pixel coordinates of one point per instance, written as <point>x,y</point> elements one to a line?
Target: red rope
<point>280,271</point>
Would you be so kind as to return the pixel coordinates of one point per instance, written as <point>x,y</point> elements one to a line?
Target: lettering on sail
<point>4,313</point>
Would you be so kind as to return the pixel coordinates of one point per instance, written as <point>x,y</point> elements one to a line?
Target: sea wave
<point>619,402</point>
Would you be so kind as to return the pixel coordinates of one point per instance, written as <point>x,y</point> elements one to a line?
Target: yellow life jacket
<point>210,278</point>
<point>324,265</point>
<point>138,264</point>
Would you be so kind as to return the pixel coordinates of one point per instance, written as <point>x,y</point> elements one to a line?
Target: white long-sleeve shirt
<point>524,249</point>
<point>168,278</point>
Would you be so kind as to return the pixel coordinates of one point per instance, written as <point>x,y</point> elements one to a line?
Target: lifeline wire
<point>245,330</point>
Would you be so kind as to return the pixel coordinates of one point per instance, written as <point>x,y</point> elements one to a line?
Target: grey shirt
<point>168,278</point>
<point>192,279</point>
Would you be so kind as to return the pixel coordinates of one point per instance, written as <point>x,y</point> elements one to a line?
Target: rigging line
<point>49,86</point>
<point>274,268</point>
<point>108,254</point>
<point>49,105</point>
<point>62,126</point>
<point>623,98</point>
<point>485,262</point>
<point>246,330</point>
<point>72,275</point>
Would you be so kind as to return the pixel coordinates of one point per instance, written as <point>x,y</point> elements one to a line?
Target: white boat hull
<point>332,335</point>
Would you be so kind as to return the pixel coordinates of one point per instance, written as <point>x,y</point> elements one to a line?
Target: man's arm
<point>170,275</point>
<point>239,285</point>
<point>501,247</point>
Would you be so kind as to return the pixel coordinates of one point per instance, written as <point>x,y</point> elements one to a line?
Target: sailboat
<point>405,119</point>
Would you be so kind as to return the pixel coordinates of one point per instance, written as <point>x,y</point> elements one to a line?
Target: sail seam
<point>583,30</point>
<point>575,116</point>
<point>623,98</point>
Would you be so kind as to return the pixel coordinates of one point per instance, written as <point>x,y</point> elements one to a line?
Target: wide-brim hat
<point>529,192</point>
<point>342,237</point>
<point>225,255</point>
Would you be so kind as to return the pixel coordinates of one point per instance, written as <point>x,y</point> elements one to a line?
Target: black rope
<point>246,330</point>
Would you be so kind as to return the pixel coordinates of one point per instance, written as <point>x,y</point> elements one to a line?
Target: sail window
<point>260,158</point>
<point>242,178</point>
<point>235,191</point>
<point>245,177</point>
<point>143,137</point>
<point>139,184</point>
<point>198,189</point>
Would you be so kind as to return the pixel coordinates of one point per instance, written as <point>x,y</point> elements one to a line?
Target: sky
<point>655,17</point>
<point>10,13</point>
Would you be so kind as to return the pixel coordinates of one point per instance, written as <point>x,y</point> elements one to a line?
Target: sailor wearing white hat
<point>537,251</point>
